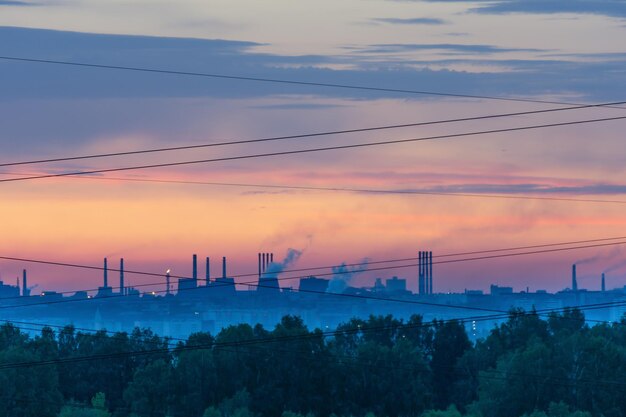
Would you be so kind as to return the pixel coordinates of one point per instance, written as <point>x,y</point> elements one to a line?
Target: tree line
<point>382,366</point>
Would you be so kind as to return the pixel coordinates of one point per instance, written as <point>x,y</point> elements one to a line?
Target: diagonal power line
<point>256,284</point>
<point>320,149</point>
<point>300,136</point>
<point>275,80</point>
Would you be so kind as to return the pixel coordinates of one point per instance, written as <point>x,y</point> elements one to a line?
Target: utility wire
<point>301,136</point>
<point>328,148</point>
<point>309,269</point>
<point>249,342</point>
<point>341,359</point>
<point>313,357</point>
<point>359,296</point>
<point>277,81</point>
<point>336,189</point>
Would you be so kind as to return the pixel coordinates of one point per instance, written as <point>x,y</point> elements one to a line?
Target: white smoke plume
<point>342,275</point>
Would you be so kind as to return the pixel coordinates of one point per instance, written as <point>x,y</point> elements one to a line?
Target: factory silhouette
<point>212,303</point>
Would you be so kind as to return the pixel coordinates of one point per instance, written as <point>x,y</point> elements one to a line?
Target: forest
<point>529,365</point>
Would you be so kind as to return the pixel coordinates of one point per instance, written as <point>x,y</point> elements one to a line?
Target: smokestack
<point>420,275</point>
<point>167,282</point>
<point>425,270</point>
<point>25,292</point>
<point>208,271</point>
<point>603,283</point>
<point>223,267</point>
<point>430,271</point>
<point>260,265</point>
<point>271,257</point>
<point>195,268</point>
<point>574,282</point>
<point>106,271</point>
<point>122,276</point>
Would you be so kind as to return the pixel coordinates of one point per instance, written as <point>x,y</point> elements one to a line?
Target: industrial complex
<point>192,304</point>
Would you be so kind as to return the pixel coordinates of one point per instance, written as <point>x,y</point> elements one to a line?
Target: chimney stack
<point>223,267</point>
<point>420,275</point>
<point>195,268</point>
<point>167,282</point>
<point>25,290</point>
<point>603,283</point>
<point>122,276</point>
<point>208,271</point>
<point>430,272</point>
<point>106,271</point>
<point>260,265</point>
<point>271,257</point>
<point>574,282</point>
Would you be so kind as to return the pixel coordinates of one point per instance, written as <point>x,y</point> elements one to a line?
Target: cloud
<point>410,21</point>
<point>16,3</point>
<point>600,80</point>
<point>611,8</point>
<point>595,189</point>
<point>450,47</point>
<point>298,106</point>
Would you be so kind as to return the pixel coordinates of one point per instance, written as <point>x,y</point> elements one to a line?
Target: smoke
<point>616,251</point>
<point>342,275</point>
<point>275,268</point>
<point>615,266</point>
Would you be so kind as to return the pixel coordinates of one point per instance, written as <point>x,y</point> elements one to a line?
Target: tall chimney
<point>167,282</point>
<point>25,292</point>
<point>271,257</point>
<point>420,274</point>
<point>223,267</point>
<point>603,283</point>
<point>208,271</point>
<point>195,268</point>
<point>428,276</point>
<point>122,276</point>
<point>425,270</point>
<point>574,282</point>
<point>106,271</point>
<point>430,272</point>
<point>260,265</point>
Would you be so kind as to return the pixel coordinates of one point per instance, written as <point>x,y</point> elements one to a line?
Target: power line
<point>250,342</point>
<point>545,312</point>
<point>311,356</point>
<point>303,151</point>
<point>362,190</point>
<point>309,269</point>
<point>336,358</point>
<point>278,81</point>
<point>358,296</point>
<point>336,189</point>
<point>301,136</point>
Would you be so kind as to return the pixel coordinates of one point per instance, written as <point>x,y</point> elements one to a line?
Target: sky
<point>561,51</point>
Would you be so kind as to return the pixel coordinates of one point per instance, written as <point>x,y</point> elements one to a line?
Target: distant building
<point>497,290</point>
<point>9,291</point>
<point>313,284</point>
<point>396,285</point>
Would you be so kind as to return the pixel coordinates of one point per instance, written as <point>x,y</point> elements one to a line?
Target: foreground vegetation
<point>529,366</point>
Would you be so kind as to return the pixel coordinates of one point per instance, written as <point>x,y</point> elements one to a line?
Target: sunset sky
<point>552,50</point>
